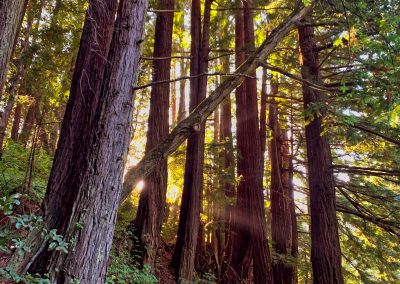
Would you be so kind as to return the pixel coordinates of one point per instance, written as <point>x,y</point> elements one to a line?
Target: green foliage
<point>14,166</point>
<point>123,267</point>
<point>6,274</point>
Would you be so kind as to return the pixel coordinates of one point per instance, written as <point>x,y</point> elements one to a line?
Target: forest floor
<point>164,271</point>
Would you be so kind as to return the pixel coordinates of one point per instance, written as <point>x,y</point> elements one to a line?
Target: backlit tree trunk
<point>149,217</point>
<point>29,122</point>
<point>325,245</point>
<point>16,122</point>
<point>249,215</point>
<point>11,15</point>
<point>281,201</point>
<point>182,99</point>
<point>189,218</point>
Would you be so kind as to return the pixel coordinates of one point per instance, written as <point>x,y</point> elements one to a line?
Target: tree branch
<point>190,77</point>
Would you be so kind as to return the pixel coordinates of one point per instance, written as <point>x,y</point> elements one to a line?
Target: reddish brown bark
<point>263,117</point>
<point>325,245</point>
<point>182,99</point>
<point>189,218</point>
<point>149,217</point>
<point>100,180</point>
<point>29,123</point>
<point>173,97</point>
<point>16,122</point>
<point>78,120</point>
<point>250,201</point>
<point>281,201</point>
<point>11,15</point>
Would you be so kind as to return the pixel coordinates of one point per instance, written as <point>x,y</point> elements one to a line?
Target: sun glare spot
<point>140,186</point>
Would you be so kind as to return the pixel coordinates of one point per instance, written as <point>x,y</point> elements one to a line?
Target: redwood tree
<point>282,226</point>
<point>149,216</point>
<point>189,218</point>
<point>325,245</point>
<point>249,215</point>
<point>11,15</point>
<point>85,183</point>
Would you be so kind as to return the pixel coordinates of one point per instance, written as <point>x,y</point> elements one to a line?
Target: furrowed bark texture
<point>186,127</point>
<point>325,245</point>
<point>14,82</point>
<point>149,216</point>
<point>189,217</point>
<point>281,223</point>
<point>78,121</point>
<point>11,15</point>
<point>240,246</point>
<point>249,215</point>
<point>96,202</point>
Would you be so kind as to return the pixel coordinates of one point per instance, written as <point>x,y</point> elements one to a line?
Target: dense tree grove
<point>170,141</point>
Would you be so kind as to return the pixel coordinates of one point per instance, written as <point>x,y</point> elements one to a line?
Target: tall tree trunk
<point>250,201</point>
<point>173,97</point>
<point>262,266</point>
<point>263,117</point>
<point>240,246</point>
<point>281,223</point>
<point>11,15</point>
<point>78,120</point>
<point>189,218</point>
<point>16,122</point>
<point>149,217</point>
<point>325,245</point>
<point>228,178</point>
<point>29,122</point>
<point>182,93</point>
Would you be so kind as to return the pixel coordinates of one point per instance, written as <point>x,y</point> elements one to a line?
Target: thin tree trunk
<point>281,223</point>
<point>29,122</point>
<point>228,169</point>
<point>182,99</point>
<point>78,119</point>
<point>325,245</point>
<point>149,217</point>
<point>263,117</point>
<point>173,96</point>
<point>11,15</point>
<point>16,122</point>
<point>189,218</point>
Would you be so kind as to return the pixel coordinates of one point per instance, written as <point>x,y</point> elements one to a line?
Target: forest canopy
<point>201,141</point>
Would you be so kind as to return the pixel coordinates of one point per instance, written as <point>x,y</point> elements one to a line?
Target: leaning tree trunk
<point>281,211</point>
<point>192,123</point>
<point>189,217</point>
<point>325,245</point>
<point>11,15</point>
<point>148,222</point>
<point>78,120</point>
